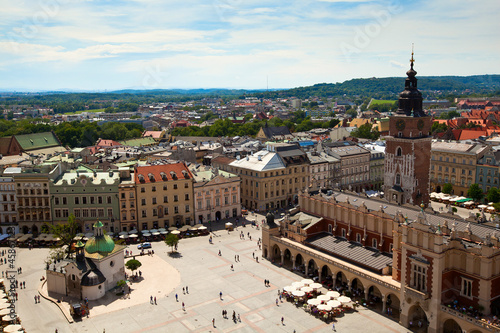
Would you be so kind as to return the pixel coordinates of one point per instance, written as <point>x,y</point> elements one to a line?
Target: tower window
<point>399,151</point>
<point>398,179</point>
<point>400,134</point>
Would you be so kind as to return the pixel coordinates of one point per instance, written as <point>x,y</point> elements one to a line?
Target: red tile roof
<point>107,143</point>
<point>161,173</point>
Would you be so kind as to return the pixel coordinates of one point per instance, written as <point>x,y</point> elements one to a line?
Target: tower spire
<point>412,60</point>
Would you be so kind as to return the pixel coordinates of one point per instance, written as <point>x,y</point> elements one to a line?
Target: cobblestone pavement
<point>199,267</point>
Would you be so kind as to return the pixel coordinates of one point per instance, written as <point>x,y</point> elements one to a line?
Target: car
<point>146,245</point>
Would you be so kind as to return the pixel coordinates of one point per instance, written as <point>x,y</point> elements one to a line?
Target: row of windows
<point>354,170</point>
<point>8,197</point>
<point>7,187</point>
<point>217,191</point>
<point>165,188</point>
<point>165,199</point>
<point>84,200</point>
<point>32,192</point>
<point>453,170</point>
<point>165,211</point>
<point>217,202</point>
<point>447,159</point>
<point>85,212</point>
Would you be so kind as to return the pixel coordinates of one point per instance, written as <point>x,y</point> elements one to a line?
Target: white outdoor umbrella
<point>123,236</point>
<point>145,231</point>
<point>324,307</point>
<point>133,231</point>
<point>334,303</point>
<point>307,281</point>
<point>153,230</point>
<point>156,233</point>
<point>344,299</point>
<point>333,294</point>
<point>164,232</point>
<point>133,236</point>
<point>175,232</point>
<point>9,318</point>
<point>146,234</point>
<point>12,328</point>
<point>202,228</point>
<point>4,312</point>
<point>490,208</point>
<point>289,289</point>
<point>323,298</point>
<point>482,206</point>
<point>307,289</point>
<point>313,301</point>
<point>298,293</point>
<point>228,223</point>
<point>316,285</point>
<point>297,285</point>
<point>123,233</point>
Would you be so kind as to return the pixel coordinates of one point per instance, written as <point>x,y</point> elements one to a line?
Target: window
<point>186,197</point>
<point>164,187</point>
<point>155,212</point>
<point>358,238</point>
<point>77,212</point>
<point>187,208</point>
<point>110,212</point>
<point>175,186</point>
<point>165,211</point>
<point>77,200</point>
<point>154,201</point>
<point>330,228</point>
<point>165,199</point>
<point>199,204</point>
<point>143,190</point>
<point>153,189</point>
<point>217,201</point>
<point>466,287</point>
<point>57,213</point>
<point>85,213</point>
<point>99,200</point>
<point>123,196</point>
<point>93,213</point>
<point>143,202</point>
<point>144,213</point>
<point>399,151</point>
<point>131,195</point>
<point>398,179</point>
<point>419,277</point>
<point>56,201</point>
<point>176,210</point>
<point>186,185</point>
<point>176,198</point>
<point>343,232</point>
<point>234,199</point>
<point>109,199</point>
<point>374,243</point>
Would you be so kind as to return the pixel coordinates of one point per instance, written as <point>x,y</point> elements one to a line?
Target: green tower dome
<point>100,243</point>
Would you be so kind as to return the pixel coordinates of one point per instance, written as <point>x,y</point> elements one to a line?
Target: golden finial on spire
<point>412,60</point>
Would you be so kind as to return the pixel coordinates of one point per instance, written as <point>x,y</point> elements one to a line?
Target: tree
<point>172,241</point>
<point>366,131</point>
<point>447,188</point>
<point>65,232</point>
<point>133,264</point>
<point>475,192</point>
<point>493,195</point>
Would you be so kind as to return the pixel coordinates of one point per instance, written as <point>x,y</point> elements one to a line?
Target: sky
<point>103,45</point>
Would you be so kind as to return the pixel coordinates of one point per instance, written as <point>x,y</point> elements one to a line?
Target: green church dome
<point>100,243</point>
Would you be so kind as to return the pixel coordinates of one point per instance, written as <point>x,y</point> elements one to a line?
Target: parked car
<point>146,245</point>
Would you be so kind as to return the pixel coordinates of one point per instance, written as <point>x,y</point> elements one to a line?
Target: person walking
<point>187,290</point>
<point>183,307</point>
<point>333,327</point>
<point>220,295</point>
<point>151,299</point>
<point>283,321</point>
<point>239,318</point>
<point>155,301</point>
<point>213,322</point>
<point>277,304</point>
<point>35,300</point>
<point>220,253</point>
<point>176,298</point>
<point>232,267</point>
<point>184,290</point>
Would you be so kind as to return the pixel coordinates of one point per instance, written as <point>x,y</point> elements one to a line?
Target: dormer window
<point>141,178</point>
<point>185,174</point>
<point>151,177</point>
<point>173,174</point>
<point>163,176</point>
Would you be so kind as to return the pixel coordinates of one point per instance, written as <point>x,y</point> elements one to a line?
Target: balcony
<point>416,294</point>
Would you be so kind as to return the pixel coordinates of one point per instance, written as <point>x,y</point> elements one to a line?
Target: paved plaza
<point>199,267</point>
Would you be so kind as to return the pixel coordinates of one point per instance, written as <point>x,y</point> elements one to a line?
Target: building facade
<point>89,195</point>
<point>354,165</point>
<point>164,195</point>
<point>8,206</point>
<point>216,194</point>
<point>128,200</point>
<point>455,163</point>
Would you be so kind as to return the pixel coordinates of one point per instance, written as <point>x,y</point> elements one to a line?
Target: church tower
<point>408,148</point>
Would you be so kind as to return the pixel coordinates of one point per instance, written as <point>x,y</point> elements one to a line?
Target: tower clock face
<point>400,124</point>
<point>420,124</point>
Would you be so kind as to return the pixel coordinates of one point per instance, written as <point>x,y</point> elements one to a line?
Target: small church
<point>97,267</point>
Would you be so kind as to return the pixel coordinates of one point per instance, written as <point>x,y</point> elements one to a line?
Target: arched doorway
<point>299,264</point>
<point>495,307</point>
<point>417,319</point>
<point>26,229</point>
<point>276,254</point>
<point>451,326</point>
<point>287,259</point>
<point>326,276</point>
<point>340,281</point>
<point>357,288</point>
<point>438,189</point>
<point>375,298</point>
<point>218,215</point>
<point>312,268</point>
<point>392,306</point>
<point>34,230</point>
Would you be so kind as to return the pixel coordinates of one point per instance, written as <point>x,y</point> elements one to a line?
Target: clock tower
<point>408,148</point>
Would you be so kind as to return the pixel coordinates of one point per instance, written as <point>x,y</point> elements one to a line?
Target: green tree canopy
<point>493,195</point>
<point>65,232</point>
<point>172,240</point>
<point>133,264</point>
<point>475,192</point>
<point>366,131</point>
<point>447,188</point>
